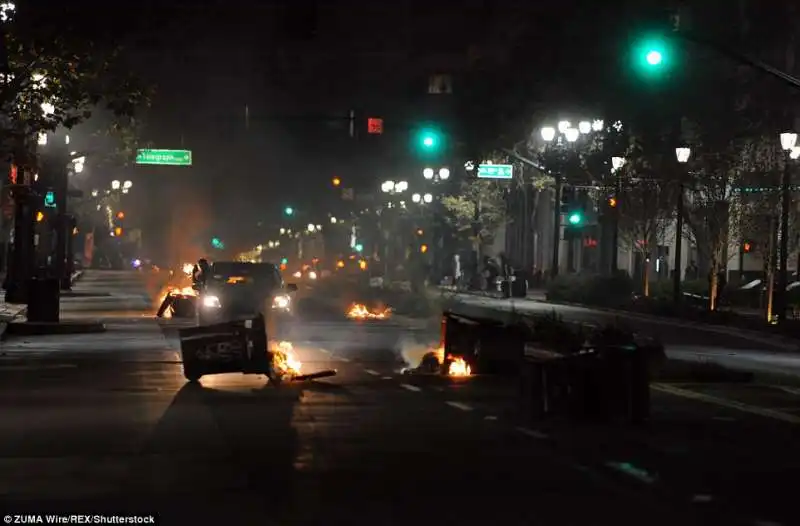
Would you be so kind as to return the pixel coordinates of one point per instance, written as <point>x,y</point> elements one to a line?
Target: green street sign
<point>495,171</point>
<point>164,157</point>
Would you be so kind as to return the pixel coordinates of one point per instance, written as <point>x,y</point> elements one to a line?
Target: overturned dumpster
<point>563,368</point>
<point>239,346</point>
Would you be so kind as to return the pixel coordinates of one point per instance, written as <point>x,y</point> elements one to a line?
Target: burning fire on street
<point>174,291</point>
<point>433,360</point>
<point>284,360</point>
<point>358,311</point>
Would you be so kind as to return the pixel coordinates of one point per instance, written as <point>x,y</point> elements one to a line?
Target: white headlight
<point>211,302</point>
<point>312,275</point>
<point>281,302</point>
<point>298,274</point>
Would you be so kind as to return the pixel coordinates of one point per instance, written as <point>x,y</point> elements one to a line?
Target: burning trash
<point>177,301</point>
<point>359,311</point>
<point>435,362</point>
<point>286,366</point>
<point>284,361</point>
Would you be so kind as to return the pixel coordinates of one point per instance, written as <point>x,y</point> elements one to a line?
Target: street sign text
<point>495,171</point>
<point>165,157</point>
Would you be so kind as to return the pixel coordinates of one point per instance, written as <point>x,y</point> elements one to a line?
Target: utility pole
<point>676,277</point>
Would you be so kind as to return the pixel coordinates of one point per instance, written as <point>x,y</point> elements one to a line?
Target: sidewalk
<point>11,311</point>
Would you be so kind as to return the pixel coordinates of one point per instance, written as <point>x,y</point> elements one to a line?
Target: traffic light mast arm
<point>738,57</point>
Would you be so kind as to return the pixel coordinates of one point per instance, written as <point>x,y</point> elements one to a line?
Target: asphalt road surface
<point>106,422</point>
<point>682,340</point>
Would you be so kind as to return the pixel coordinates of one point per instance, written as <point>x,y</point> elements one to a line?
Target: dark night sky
<point>299,66</point>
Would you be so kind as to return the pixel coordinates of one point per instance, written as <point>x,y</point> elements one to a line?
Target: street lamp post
<point>682,154</point>
<point>788,142</point>
<point>563,134</point>
<point>391,188</point>
<point>616,166</point>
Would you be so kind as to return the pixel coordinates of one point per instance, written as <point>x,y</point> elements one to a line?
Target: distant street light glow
<point>115,184</point>
<point>444,174</point>
<point>416,198</point>
<point>427,198</point>
<point>548,133</point>
<point>427,173</point>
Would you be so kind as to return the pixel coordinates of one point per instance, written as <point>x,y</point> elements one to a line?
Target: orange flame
<point>358,311</point>
<point>457,367</point>
<point>284,360</point>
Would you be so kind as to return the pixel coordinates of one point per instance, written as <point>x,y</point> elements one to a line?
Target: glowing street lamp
<point>427,173</point>
<point>427,198</point>
<point>416,198</point>
<point>548,133</point>
<point>444,174</point>
<point>572,134</point>
<point>115,184</point>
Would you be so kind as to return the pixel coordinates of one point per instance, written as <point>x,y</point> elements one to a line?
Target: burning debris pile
<point>286,366</point>
<point>359,311</point>
<point>435,362</point>
<point>171,303</point>
<point>284,362</point>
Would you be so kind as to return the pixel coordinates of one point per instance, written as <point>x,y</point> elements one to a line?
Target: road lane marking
<point>702,498</point>
<point>373,373</point>
<point>386,378</point>
<point>459,405</point>
<point>630,470</point>
<point>790,390</point>
<point>341,359</point>
<point>730,404</point>
<point>411,387</point>
<point>36,367</point>
<point>490,417</point>
<point>532,433</point>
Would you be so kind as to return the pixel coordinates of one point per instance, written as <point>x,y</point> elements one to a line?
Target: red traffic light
<point>747,247</point>
<point>374,126</point>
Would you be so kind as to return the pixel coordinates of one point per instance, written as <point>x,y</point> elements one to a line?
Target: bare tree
<point>646,216</point>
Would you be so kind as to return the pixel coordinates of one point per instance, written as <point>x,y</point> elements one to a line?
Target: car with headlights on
<point>231,290</point>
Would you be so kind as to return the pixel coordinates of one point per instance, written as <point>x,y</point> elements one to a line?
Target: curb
<point>782,342</point>
<point>757,336</point>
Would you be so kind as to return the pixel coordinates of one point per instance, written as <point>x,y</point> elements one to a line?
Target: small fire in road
<point>359,311</point>
<point>433,359</point>
<point>284,360</point>
<point>458,367</point>
<point>174,291</point>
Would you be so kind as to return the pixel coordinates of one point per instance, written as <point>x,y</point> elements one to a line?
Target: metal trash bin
<point>231,347</point>
<point>44,296</point>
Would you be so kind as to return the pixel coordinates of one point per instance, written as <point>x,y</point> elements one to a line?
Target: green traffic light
<point>654,57</point>
<point>288,211</point>
<point>575,218</point>
<point>284,261</point>
<point>359,247</point>
<point>217,243</point>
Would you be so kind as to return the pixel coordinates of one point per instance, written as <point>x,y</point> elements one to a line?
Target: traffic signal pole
<point>615,234</point>
<point>677,275</point>
<point>559,190</point>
